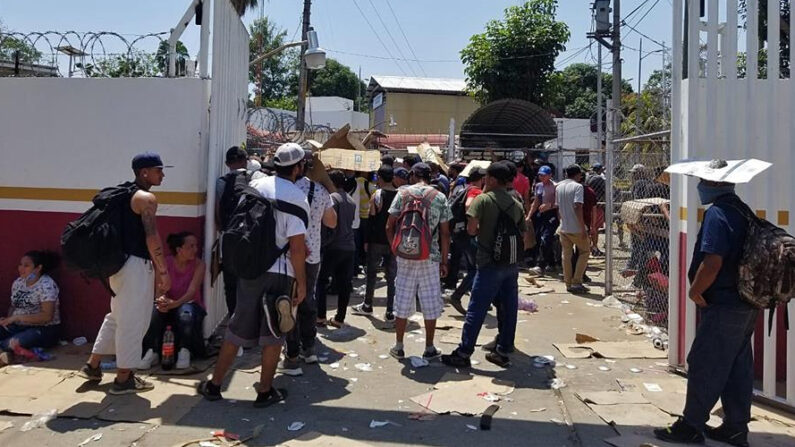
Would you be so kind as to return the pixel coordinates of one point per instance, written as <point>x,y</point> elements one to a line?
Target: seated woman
<point>34,320</point>
<point>181,307</point>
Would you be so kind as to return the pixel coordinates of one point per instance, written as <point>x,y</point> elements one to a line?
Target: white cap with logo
<point>288,154</point>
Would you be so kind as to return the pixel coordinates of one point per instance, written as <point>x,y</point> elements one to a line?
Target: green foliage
<point>161,57</point>
<point>136,65</point>
<point>271,77</point>
<point>284,103</point>
<point>335,79</point>
<point>514,57</point>
<point>571,92</point>
<point>242,5</point>
<point>10,45</point>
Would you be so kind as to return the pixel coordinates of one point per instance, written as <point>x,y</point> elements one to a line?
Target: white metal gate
<point>721,112</point>
<point>228,96</point>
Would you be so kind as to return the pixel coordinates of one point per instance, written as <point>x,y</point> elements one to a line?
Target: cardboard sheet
<point>462,394</point>
<point>633,440</point>
<point>447,323</point>
<point>315,439</point>
<point>475,164</point>
<point>612,398</point>
<point>611,350</point>
<point>366,161</point>
<point>632,415</point>
<point>454,338</point>
<point>171,399</point>
<point>535,290</point>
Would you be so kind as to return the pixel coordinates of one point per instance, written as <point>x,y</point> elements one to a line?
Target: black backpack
<point>248,244</point>
<point>508,240</point>
<point>229,199</point>
<point>93,243</point>
<point>458,223</point>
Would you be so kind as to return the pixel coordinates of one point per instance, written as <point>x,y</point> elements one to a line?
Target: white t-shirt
<point>27,300</point>
<point>321,202</point>
<point>287,225</point>
<point>567,193</point>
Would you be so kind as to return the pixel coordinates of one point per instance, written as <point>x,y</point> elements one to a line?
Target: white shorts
<point>123,329</point>
<point>418,279</point>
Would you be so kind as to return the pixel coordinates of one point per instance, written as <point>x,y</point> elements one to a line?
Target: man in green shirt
<point>494,282</point>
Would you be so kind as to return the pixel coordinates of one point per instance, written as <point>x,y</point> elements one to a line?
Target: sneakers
<point>90,373</point>
<point>362,309</point>
<point>455,301</point>
<point>680,432</point>
<point>209,390</point>
<point>270,397</point>
<point>727,435</point>
<point>284,311</point>
<point>291,367</point>
<point>133,384</point>
<point>397,353</point>
<point>308,356</point>
<point>456,360</point>
<point>431,353</point>
<point>150,359</point>
<point>183,359</point>
<point>538,271</point>
<point>577,289</point>
<point>503,361</point>
<point>389,318</point>
<point>6,358</point>
<point>492,347</point>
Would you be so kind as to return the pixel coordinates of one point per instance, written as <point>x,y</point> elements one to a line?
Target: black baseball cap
<point>236,154</point>
<point>148,160</point>
<point>401,172</point>
<point>421,170</point>
<point>476,174</point>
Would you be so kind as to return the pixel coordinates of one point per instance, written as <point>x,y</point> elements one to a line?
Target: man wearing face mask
<point>720,362</point>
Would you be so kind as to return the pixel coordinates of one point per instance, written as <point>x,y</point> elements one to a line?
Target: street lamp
<point>314,56</point>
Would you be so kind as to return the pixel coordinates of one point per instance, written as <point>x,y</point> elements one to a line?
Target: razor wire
<point>267,128</point>
<point>96,48</point>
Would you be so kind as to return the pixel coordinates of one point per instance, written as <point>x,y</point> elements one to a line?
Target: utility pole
<point>636,158</point>
<point>600,134</point>
<point>359,91</point>
<point>303,73</point>
<point>616,48</point>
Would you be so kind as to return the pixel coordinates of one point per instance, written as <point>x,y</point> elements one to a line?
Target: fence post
<point>609,169</point>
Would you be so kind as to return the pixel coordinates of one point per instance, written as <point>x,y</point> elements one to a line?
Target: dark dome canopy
<point>508,123</point>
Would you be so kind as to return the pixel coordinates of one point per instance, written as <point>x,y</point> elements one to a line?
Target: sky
<point>435,30</point>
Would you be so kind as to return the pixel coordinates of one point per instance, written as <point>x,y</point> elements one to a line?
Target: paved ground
<point>341,400</point>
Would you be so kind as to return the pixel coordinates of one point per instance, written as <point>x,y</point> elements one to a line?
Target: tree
<point>514,57</point>
<point>242,5</point>
<point>571,92</point>
<point>162,57</point>
<point>135,65</point>
<point>270,76</point>
<point>9,46</point>
<point>335,79</point>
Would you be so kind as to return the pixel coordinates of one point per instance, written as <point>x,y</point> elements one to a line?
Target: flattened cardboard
<point>475,164</point>
<point>632,415</point>
<point>611,350</point>
<point>342,139</point>
<point>352,160</point>
<point>633,440</point>
<point>167,403</point>
<point>447,323</point>
<point>462,394</point>
<point>315,439</point>
<point>454,338</point>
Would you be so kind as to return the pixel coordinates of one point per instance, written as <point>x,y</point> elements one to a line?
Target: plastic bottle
<point>167,351</point>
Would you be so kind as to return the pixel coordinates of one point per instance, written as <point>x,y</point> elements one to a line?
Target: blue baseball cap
<point>545,170</point>
<point>402,173</point>
<point>597,167</point>
<point>148,160</point>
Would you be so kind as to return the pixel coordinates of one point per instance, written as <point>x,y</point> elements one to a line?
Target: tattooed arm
<point>145,204</point>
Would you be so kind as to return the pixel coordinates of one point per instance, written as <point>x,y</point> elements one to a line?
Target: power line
<point>391,37</point>
<point>408,43</point>
<point>377,36</point>
<point>628,16</point>
<point>644,35</point>
<point>647,13</point>
<point>372,56</point>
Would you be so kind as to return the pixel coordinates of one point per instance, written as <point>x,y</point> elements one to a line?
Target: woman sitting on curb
<point>181,307</point>
<point>34,320</point>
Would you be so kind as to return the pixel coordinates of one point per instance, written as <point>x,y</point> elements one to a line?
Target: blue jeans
<point>186,323</point>
<point>339,265</point>
<point>546,226</point>
<point>305,330</point>
<point>377,253</point>
<point>498,285</point>
<point>469,251</point>
<point>721,366</point>
<point>29,336</point>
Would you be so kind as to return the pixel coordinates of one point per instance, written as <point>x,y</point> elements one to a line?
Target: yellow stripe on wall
<point>85,195</point>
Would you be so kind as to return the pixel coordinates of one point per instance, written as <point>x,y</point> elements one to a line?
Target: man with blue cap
<point>123,329</point>
<point>544,214</point>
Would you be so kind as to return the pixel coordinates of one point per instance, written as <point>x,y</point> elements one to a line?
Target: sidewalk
<point>343,395</point>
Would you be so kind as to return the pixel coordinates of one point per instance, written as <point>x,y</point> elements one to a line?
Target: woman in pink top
<point>182,306</point>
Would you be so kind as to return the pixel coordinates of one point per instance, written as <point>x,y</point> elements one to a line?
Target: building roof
<point>409,84</point>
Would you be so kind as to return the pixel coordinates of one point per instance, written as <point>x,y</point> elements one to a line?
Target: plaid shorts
<point>418,279</point>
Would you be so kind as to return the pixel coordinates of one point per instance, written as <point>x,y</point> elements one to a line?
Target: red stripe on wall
<point>83,305</point>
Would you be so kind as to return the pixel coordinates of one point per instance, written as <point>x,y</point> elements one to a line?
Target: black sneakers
<point>727,435</point>
<point>133,384</point>
<point>457,360</point>
<point>455,301</point>
<point>90,373</point>
<point>270,397</point>
<point>209,390</point>
<point>680,432</point>
<point>431,353</point>
<point>503,361</point>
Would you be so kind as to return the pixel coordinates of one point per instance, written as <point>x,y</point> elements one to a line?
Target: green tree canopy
<point>514,57</point>
<point>9,46</point>
<point>161,57</point>
<point>571,92</point>
<point>270,76</point>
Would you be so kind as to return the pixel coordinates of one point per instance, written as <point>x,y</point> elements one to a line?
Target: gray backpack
<point>766,276</point>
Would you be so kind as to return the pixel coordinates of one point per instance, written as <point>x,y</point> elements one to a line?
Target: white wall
<point>328,103</point>
<point>82,133</point>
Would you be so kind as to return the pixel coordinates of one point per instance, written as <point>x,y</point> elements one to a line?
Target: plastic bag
<point>39,420</point>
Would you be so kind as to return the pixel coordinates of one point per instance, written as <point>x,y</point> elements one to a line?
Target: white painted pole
<point>204,50</point>
<point>451,141</point>
<point>599,105</point>
<point>609,169</point>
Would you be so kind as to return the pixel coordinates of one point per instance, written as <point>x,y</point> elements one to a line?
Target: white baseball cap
<point>288,154</point>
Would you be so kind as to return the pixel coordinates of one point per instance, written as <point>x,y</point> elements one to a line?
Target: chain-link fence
<point>641,216</point>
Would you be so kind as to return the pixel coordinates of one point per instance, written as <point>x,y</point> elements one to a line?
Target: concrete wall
<point>64,139</point>
<point>423,113</point>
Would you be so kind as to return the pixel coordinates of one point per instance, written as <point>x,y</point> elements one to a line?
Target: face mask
<point>708,194</point>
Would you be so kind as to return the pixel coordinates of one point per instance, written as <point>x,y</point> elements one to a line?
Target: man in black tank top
<point>124,327</point>
<point>377,245</point>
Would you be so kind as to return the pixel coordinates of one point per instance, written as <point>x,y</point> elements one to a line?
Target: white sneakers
<point>150,359</point>
<point>183,359</point>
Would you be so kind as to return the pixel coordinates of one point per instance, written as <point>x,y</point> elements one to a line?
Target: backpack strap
<point>290,208</point>
<point>311,194</point>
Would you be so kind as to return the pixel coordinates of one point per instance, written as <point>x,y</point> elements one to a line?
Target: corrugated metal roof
<point>419,84</point>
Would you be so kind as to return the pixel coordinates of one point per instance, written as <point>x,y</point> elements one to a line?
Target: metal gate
<point>721,110</point>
